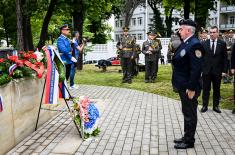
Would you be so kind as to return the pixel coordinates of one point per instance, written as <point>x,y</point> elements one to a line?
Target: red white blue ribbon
<point>1,104</point>
<point>52,78</point>
<point>11,69</point>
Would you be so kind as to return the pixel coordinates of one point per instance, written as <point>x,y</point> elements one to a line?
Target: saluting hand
<point>232,71</point>
<point>190,93</point>
<point>224,74</point>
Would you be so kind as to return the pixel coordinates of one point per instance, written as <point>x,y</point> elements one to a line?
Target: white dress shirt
<point>215,44</point>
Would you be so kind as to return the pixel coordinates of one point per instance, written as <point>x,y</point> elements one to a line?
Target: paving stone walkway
<point>132,122</point>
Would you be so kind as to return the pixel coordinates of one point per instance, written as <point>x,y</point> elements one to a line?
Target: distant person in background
<point>203,35</point>
<point>150,49</point>
<point>135,61</point>
<point>229,42</point>
<point>162,59</point>
<point>77,47</point>
<point>173,45</point>
<point>233,72</point>
<point>64,47</point>
<point>125,47</point>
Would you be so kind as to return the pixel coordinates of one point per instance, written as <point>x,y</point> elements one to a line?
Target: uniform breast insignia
<point>198,53</point>
<point>182,53</point>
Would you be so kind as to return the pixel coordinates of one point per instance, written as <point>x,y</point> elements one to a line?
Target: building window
<point>117,37</point>
<point>121,23</point>
<point>134,35</point>
<point>140,37</point>
<point>133,21</point>
<point>116,23</point>
<point>231,19</point>
<point>140,20</point>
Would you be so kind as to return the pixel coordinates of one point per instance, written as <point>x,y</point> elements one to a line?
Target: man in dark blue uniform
<point>187,64</point>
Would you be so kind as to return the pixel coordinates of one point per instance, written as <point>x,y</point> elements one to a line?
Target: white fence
<point>105,51</point>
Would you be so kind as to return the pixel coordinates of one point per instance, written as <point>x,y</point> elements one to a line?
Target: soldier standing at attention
<point>203,35</point>
<point>125,47</point>
<point>187,67</point>
<point>135,61</point>
<point>158,55</point>
<point>173,45</point>
<point>229,42</point>
<point>150,49</point>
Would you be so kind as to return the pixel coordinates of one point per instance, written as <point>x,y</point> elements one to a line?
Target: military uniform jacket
<point>136,50</point>
<point>187,65</point>
<point>229,42</point>
<point>127,43</point>
<point>64,47</point>
<point>156,45</point>
<point>233,57</point>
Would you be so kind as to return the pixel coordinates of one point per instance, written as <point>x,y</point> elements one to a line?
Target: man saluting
<point>187,65</point>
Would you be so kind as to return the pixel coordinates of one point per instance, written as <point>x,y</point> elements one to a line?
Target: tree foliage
<point>157,20</point>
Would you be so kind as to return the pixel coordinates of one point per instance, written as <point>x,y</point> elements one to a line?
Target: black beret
<point>188,22</point>
<point>64,26</point>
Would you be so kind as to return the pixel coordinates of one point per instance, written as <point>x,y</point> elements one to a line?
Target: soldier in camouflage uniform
<point>158,54</point>
<point>125,46</point>
<point>203,35</point>
<point>229,42</point>
<point>173,45</point>
<point>151,49</point>
<point>135,68</point>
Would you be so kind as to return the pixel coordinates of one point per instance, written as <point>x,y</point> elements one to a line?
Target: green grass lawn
<point>92,75</point>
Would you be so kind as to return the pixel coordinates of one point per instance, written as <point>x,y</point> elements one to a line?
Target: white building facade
<point>223,16</point>
<point>139,27</point>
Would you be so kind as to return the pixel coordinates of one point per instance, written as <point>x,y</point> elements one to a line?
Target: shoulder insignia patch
<point>182,53</point>
<point>198,53</point>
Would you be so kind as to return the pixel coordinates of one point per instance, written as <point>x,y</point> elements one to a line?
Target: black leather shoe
<point>179,140</point>
<point>233,112</point>
<point>204,109</point>
<point>183,146</point>
<point>129,81</point>
<point>216,109</point>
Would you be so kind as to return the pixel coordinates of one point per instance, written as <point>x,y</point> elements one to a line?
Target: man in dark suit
<point>187,64</point>
<point>213,69</point>
<point>233,72</point>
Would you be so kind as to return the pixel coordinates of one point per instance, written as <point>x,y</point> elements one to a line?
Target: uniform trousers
<point>67,71</point>
<point>126,68</point>
<point>150,70</point>
<point>189,109</point>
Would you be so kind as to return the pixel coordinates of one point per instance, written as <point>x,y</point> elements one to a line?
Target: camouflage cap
<point>151,33</point>
<point>125,29</point>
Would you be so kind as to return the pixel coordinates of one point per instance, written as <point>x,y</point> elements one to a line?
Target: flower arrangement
<point>24,64</point>
<point>86,116</point>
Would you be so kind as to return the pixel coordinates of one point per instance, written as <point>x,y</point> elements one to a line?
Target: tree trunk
<point>44,29</point>
<point>200,15</point>
<point>27,33</point>
<point>128,17</point>
<point>186,9</point>
<point>20,39</point>
<point>169,23</point>
<point>78,19</point>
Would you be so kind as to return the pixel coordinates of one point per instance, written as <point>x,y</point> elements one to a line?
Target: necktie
<point>213,46</point>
